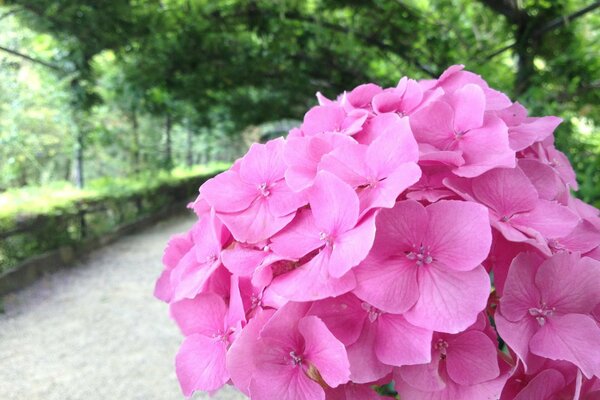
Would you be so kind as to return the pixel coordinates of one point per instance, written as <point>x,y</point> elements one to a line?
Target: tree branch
<point>550,26</point>
<point>508,8</point>
<point>563,20</point>
<point>30,59</point>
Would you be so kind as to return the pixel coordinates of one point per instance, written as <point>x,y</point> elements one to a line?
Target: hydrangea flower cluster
<point>423,235</point>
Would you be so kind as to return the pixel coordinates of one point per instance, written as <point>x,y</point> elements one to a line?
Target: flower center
<point>263,189</point>
<point>421,255</point>
<point>325,237</point>
<point>442,346</point>
<point>542,313</point>
<point>372,312</point>
<point>296,359</point>
<point>210,259</point>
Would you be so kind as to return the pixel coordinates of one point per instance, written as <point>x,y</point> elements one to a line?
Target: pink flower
<point>303,155</point>
<point>403,99</point>
<point>293,355</point>
<point>458,124</point>
<point>192,272</point>
<point>463,366</point>
<point>546,309</point>
<point>548,380</point>
<point>209,329</point>
<point>333,118</point>
<point>523,131</point>
<point>383,169</point>
<point>331,229</point>
<point>375,340</point>
<point>426,263</point>
<point>177,248</point>
<point>515,207</point>
<point>252,199</point>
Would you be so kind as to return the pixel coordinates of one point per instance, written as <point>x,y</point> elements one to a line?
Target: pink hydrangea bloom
<point>426,263</point>
<point>253,200</point>
<point>463,366</point>
<point>546,309</point>
<point>424,235</point>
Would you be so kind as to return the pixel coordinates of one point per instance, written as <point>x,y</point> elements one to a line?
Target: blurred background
<point>113,110</point>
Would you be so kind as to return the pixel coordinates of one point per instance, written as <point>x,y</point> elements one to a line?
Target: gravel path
<point>95,332</point>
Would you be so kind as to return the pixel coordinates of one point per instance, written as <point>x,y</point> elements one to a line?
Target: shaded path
<point>95,332</point>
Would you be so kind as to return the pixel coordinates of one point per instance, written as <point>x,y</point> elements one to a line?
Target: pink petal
<point>532,130</point>
<point>361,95</point>
<point>321,119</point>
<point>353,391</point>
<point>312,281</point>
<point>506,191</point>
<point>395,145</point>
<point>347,162</point>
<point>334,204</point>
<point>542,386</point>
<point>385,192</point>
<point>205,314</point>
<point>571,337</point>
<point>351,247</point>
<point>324,351</point>
<point>255,224</point>
<point>390,285</point>
<point>520,291</point>
<point>424,377</point>
<point>459,234</point>
<point>241,260</point>
<point>449,300</point>
<point>364,365</point>
<point>485,148</point>
<point>399,228</point>
<point>388,101</point>
<point>585,237</point>
<point>517,335</point>
<point>177,247</point>
<point>468,103</point>
<point>162,288</point>
<point>472,358</point>
<point>434,125</point>
<point>549,218</point>
<point>400,343</point>
<point>241,354</point>
<point>200,364</point>
<point>263,163</point>
<point>283,201</point>
<point>299,238</point>
<point>546,181</point>
<point>569,284</point>
<point>285,383</point>
<point>226,192</point>
<point>302,155</point>
<point>190,277</point>
<point>343,316</point>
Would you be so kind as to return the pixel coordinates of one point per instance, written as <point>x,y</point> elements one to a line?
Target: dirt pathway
<point>95,332</point>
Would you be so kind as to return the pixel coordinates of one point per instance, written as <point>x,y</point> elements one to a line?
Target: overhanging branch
<point>550,26</point>
<point>30,59</point>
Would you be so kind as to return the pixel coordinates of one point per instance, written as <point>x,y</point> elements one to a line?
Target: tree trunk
<point>525,52</point>
<point>136,142</point>
<point>168,144</point>
<point>190,148</point>
<point>79,147</point>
